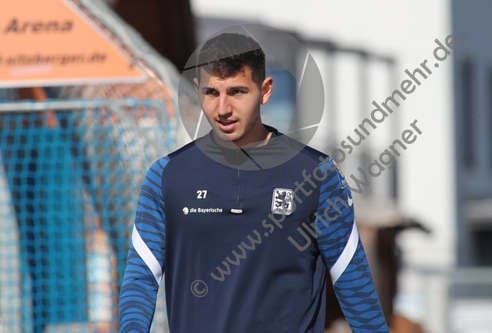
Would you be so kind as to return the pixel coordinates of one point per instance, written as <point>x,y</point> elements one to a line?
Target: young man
<point>244,220</point>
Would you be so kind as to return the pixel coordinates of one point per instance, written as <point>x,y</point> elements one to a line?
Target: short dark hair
<point>226,55</point>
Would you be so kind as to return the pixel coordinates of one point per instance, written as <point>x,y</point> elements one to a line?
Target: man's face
<point>232,106</point>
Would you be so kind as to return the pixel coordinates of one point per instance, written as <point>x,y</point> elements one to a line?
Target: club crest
<point>282,201</point>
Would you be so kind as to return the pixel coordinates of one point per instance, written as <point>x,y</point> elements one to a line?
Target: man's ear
<point>197,85</point>
<point>266,89</point>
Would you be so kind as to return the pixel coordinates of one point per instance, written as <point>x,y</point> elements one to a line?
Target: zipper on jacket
<point>237,187</point>
<point>236,209</point>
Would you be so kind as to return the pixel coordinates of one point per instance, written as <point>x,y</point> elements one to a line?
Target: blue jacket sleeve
<point>344,255</point>
<point>146,257</point>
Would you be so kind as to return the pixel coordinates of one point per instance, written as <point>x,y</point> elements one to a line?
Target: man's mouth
<point>227,126</point>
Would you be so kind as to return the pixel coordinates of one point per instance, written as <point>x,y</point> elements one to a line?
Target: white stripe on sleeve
<point>346,256</point>
<point>146,255</point>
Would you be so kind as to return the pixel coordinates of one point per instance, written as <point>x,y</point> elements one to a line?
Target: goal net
<point>71,167</point>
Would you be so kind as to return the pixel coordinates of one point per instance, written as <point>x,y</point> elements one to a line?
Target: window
<point>489,131</point>
<point>468,113</point>
<point>482,241</point>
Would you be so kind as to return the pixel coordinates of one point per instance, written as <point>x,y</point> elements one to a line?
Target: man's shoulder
<point>306,152</point>
<point>183,151</point>
<point>159,165</point>
<point>313,154</point>
<point>315,157</point>
<point>322,159</point>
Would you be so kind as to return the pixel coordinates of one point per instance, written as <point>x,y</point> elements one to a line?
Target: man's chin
<point>225,138</point>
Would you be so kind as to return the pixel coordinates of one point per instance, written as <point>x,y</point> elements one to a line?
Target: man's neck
<point>265,142</point>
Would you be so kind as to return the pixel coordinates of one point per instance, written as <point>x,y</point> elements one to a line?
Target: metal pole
<point>70,104</point>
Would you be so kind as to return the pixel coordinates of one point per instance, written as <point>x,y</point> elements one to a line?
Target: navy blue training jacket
<point>243,237</point>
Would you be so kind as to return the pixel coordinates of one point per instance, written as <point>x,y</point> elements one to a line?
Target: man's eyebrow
<point>238,87</point>
<point>208,88</point>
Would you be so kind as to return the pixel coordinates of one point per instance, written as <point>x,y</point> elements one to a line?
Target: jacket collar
<point>279,149</point>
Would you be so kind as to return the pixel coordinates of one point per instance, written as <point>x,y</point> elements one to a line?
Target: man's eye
<point>237,92</point>
<point>211,92</point>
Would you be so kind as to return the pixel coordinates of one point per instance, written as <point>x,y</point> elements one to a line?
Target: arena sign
<point>53,43</point>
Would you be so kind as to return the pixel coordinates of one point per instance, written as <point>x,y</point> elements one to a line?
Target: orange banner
<point>52,42</point>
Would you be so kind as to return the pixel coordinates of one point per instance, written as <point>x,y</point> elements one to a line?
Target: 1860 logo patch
<point>282,201</point>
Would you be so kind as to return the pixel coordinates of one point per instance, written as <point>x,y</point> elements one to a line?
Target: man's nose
<point>224,108</point>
